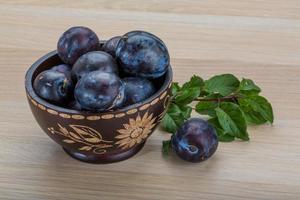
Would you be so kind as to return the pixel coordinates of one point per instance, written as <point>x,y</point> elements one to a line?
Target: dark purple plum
<point>142,54</point>
<point>99,91</point>
<point>137,89</point>
<point>63,68</point>
<point>110,45</point>
<point>54,86</point>
<point>92,61</point>
<point>195,141</point>
<point>75,42</point>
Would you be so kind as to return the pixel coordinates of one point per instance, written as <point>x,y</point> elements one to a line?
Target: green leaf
<point>186,111</point>
<point>223,84</point>
<point>206,108</point>
<point>248,87</point>
<point>175,88</point>
<point>253,117</point>
<point>187,96</point>
<point>257,109</point>
<point>175,112</point>
<point>195,81</point>
<point>166,147</point>
<point>232,120</point>
<point>175,117</point>
<point>222,135</point>
<point>189,91</point>
<point>213,96</point>
<point>169,124</point>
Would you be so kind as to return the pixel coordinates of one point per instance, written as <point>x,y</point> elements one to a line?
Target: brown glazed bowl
<point>98,137</point>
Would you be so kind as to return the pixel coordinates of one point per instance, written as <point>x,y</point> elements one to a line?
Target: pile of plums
<point>104,77</point>
<point>116,74</point>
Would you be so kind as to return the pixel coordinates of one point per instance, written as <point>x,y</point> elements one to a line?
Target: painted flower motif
<point>135,131</point>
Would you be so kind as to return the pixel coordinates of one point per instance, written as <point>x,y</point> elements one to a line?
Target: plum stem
<point>221,99</point>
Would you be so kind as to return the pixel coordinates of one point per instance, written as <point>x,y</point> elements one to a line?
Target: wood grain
<point>259,39</point>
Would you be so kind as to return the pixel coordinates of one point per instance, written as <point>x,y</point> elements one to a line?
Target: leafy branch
<point>229,104</point>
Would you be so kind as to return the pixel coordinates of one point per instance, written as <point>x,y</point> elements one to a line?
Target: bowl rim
<point>30,91</point>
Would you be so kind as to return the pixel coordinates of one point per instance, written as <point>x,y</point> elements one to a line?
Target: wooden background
<point>258,39</point>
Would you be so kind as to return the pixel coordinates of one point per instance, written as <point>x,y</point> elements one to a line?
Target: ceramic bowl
<point>93,136</point>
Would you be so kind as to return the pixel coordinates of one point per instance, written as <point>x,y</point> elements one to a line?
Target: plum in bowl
<point>98,137</point>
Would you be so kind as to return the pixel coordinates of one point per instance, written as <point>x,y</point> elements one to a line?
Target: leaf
<point>195,81</point>
<point>186,111</point>
<point>206,108</point>
<point>187,96</point>
<point>222,135</point>
<point>175,88</point>
<point>169,124</point>
<point>248,87</point>
<point>166,147</point>
<point>175,112</point>
<point>63,130</point>
<point>173,109</point>
<point>189,91</point>
<point>175,117</point>
<point>257,109</point>
<point>68,141</point>
<point>232,120</point>
<point>213,96</point>
<point>85,148</point>
<point>253,117</point>
<point>223,84</point>
<point>86,133</point>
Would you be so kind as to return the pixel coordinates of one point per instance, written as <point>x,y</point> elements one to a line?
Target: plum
<point>63,68</point>
<point>142,54</point>
<point>110,45</point>
<point>54,86</point>
<point>92,61</point>
<point>195,141</point>
<point>99,91</point>
<point>75,42</point>
<point>137,89</point>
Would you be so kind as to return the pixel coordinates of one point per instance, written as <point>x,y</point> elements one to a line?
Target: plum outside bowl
<point>93,136</point>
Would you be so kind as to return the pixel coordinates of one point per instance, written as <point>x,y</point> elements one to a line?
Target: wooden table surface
<point>258,39</point>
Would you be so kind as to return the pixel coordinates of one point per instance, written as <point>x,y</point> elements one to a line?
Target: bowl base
<point>105,158</point>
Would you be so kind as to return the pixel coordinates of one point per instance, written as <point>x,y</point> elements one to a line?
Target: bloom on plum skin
<point>195,141</point>
<point>110,45</point>
<point>54,86</point>
<point>63,68</point>
<point>142,54</point>
<point>99,91</point>
<point>137,89</point>
<point>75,42</point>
<point>92,61</point>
